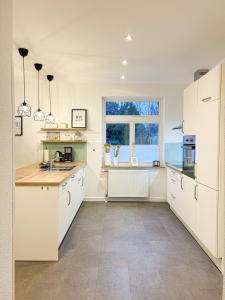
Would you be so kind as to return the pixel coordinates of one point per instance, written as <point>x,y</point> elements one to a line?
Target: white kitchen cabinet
<point>209,85</point>
<point>207,143</point>
<point>190,109</point>
<point>65,209</point>
<point>174,190</point>
<point>206,217</point>
<point>43,215</point>
<point>189,202</point>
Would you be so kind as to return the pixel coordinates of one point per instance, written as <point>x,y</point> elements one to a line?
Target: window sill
<point>128,166</point>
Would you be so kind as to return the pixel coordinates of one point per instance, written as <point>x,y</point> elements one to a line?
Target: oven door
<point>189,160</point>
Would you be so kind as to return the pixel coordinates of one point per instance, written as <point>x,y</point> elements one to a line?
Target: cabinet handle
<point>195,192</point>
<point>68,204</point>
<point>207,99</point>
<point>181,183</point>
<point>182,126</point>
<point>82,181</point>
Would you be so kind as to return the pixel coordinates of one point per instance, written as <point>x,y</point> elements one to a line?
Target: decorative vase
<point>107,159</point>
<point>116,161</point>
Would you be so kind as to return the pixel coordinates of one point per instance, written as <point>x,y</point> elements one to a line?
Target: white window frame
<point>132,120</point>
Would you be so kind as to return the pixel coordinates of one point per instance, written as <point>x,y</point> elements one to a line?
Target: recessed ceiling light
<point>129,38</point>
<point>124,62</point>
<point>122,77</point>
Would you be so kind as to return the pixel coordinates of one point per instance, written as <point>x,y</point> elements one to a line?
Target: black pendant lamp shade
<point>24,109</point>
<point>50,119</point>
<point>38,114</point>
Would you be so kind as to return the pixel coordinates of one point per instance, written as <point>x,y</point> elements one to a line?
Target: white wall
<point>90,96</point>
<point>67,96</point>
<point>6,146</point>
<point>28,147</point>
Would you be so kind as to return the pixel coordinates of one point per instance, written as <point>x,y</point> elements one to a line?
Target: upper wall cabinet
<point>209,86</point>
<point>190,109</point>
<point>207,133</point>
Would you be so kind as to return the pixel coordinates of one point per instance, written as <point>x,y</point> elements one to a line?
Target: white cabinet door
<point>206,217</point>
<point>207,143</point>
<point>209,85</point>
<point>189,202</point>
<point>64,210</point>
<point>190,109</point>
<point>76,193</point>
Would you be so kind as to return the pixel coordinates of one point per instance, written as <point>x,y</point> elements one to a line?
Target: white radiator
<point>128,183</point>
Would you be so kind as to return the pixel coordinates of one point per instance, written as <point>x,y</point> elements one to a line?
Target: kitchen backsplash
<point>173,152</point>
<point>79,150</point>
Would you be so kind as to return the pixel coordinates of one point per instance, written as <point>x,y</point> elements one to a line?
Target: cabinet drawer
<point>209,85</point>
<point>173,174</point>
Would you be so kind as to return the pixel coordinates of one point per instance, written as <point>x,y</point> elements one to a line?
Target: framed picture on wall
<point>79,118</point>
<point>18,126</point>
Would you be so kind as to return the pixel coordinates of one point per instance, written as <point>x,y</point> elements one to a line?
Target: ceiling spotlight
<point>124,62</point>
<point>122,77</point>
<point>129,38</point>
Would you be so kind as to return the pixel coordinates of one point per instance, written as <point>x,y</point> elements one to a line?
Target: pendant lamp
<point>50,119</point>
<point>38,114</point>
<point>24,109</point>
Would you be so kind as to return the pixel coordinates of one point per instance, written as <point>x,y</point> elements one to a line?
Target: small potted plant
<point>116,150</point>
<point>107,154</point>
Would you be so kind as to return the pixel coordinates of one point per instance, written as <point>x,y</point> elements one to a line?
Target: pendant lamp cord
<point>38,93</point>
<point>50,99</point>
<point>24,90</point>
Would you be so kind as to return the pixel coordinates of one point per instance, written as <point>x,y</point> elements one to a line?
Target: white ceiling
<point>83,40</point>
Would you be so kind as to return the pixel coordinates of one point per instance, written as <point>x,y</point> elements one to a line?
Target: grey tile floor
<point>123,251</point>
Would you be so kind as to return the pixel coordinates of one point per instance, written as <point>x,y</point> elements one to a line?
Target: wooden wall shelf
<point>63,129</point>
<point>61,141</point>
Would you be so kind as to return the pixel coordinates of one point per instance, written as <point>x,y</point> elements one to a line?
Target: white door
<point>207,143</point>
<point>189,202</point>
<point>206,217</point>
<point>190,109</point>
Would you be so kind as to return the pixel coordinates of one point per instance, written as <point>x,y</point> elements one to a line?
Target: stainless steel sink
<point>60,168</point>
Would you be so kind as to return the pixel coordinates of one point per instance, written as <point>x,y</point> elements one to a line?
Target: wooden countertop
<point>32,175</point>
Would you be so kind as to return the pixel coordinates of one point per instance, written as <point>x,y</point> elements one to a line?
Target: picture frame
<point>79,118</point>
<point>18,126</point>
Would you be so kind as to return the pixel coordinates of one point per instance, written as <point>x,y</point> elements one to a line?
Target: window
<point>135,124</point>
<point>132,108</point>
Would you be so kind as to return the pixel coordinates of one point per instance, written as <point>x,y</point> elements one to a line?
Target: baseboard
<point>95,199</point>
<point>104,199</point>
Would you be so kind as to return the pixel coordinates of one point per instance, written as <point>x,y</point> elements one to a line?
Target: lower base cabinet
<point>43,215</point>
<point>197,206</point>
<point>206,217</point>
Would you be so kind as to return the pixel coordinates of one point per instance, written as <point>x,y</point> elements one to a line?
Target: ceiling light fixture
<point>38,114</point>
<point>50,119</point>
<point>24,110</point>
<point>129,38</point>
<point>124,62</point>
<point>122,77</point>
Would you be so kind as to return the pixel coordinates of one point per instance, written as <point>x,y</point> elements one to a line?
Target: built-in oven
<point>189,155</point>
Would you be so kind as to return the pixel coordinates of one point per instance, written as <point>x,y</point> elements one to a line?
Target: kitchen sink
<point>60,168</point>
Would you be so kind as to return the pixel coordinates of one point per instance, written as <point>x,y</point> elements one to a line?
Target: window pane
<point>132,108</point>
<point>117,134</point>
<point>146,147</point>
<point>124,154</point>
<point>146,134</point>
